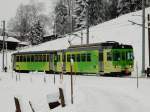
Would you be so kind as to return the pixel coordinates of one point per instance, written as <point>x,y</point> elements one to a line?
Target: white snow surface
<point>91,93</point>
<point>9,39</point>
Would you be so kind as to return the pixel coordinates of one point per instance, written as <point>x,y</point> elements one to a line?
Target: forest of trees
<point>69,16</point>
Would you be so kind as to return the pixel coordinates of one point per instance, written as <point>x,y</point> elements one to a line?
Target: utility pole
<point>3,45</point>
<point>87,22</point>
<point>149,36</point>
<point>71,73</point>
<point>143,36</point>
<point>81,37</point>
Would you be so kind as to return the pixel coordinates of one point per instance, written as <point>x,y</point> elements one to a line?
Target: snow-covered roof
<point>9,39</point>
<point>24,43</point>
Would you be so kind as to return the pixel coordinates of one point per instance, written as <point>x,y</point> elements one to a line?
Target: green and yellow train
<point>99,58</point>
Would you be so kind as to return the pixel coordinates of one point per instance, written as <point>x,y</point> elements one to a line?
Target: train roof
<point>37,52</point>
<point>107,44</point>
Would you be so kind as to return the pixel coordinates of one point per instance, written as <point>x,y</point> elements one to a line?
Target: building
<point>10,43</point>
<point>50,37</point>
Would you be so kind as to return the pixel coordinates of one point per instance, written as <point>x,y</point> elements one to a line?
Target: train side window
<point>78,58</point>
<point>73,57</point>
<point>123,56</point>
<point>83,57</point>
<point>28,58</point>
<point>100,56</point>
<point>17,58</point>
<point>24,58</point>
<point>32,58</point>
<point>36,58</point>
<point>20,59</point>
<point>47,57</point>
<point>68,58</point>
<point>58,58</point>
<point>40,58</point>
<point>109,56</point>
<point>44,58</point>
<point>64,57</point>
<point>88,57</point>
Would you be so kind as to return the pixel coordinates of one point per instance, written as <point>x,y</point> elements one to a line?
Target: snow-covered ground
<point>91,94</point>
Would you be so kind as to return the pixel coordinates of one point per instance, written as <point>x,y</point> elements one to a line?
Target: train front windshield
<point>122,55</point>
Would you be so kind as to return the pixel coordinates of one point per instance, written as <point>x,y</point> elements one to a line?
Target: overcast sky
<point>8,7</point>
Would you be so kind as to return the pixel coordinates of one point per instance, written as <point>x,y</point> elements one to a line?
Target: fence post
<point>18,109</point>
<point>137,75</point>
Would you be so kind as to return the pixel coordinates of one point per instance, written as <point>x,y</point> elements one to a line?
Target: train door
<point>13,61</point>
<point>101,62</point>
<point>51,62</point>
<point>64,61</point>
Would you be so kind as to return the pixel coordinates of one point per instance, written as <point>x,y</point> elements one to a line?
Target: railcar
<point>33,61</point>
<point>99,58</point>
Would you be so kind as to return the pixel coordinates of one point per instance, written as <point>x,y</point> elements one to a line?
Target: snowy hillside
<point>119,29</point>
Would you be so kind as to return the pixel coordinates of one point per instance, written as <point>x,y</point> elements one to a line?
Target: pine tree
<point>137,4</point>
<point>36,33</point>
<point>95,9</point>
<point>125,6</point>
<point>61,19</point>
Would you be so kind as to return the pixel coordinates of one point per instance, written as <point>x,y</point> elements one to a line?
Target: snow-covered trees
<point>126,6</point>
<point>36,33</point>
<point>28,17</point>
<point>96,11</point>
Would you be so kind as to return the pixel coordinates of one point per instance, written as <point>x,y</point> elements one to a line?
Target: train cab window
<point>78,58</point>
<point>100,56</point>
<point>116,56</point>
<point>68,58</point>
<point>129,55</point>
<point>83,57</point>
<point>109,56</point>
<point>88,57</point>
